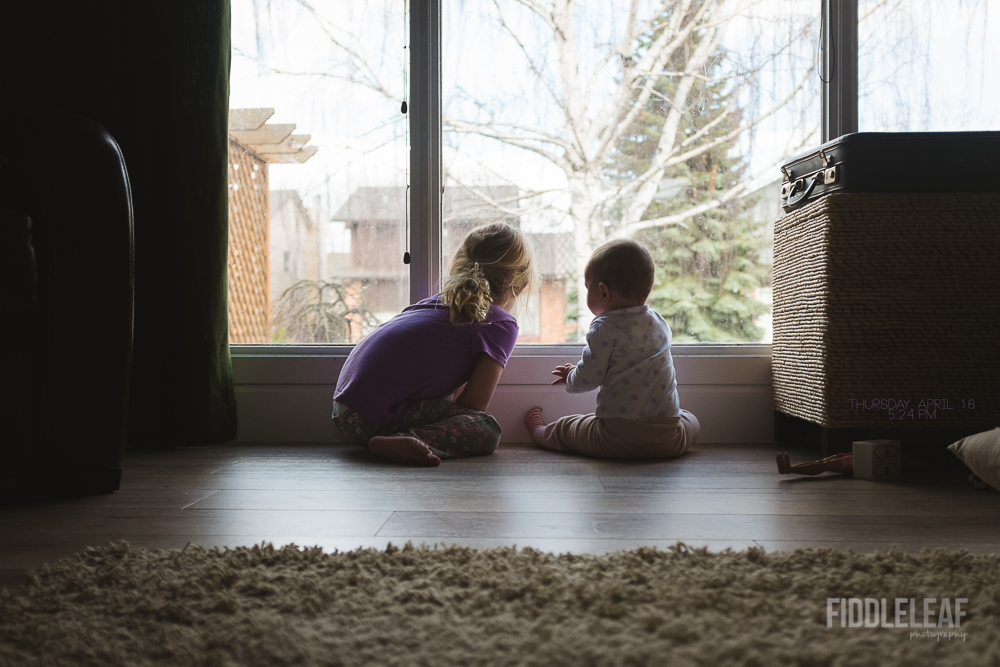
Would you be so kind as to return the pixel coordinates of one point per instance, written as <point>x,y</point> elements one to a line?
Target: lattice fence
<point>249,289</point>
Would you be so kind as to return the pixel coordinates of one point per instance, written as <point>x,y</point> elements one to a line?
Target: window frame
<point>840,74</point>
<point>839,117</point>
<point>426,178</point>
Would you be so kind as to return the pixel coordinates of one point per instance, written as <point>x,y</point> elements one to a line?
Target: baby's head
<point>494,265</point>
<point>618,275</point>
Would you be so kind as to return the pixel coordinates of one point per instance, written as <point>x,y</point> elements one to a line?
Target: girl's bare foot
<point>535,424</point>
<point>403,449</point>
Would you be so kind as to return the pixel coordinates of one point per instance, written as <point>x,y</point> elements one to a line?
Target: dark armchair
<point>67,295</point>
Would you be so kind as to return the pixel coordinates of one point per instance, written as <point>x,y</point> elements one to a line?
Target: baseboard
<point>731,396</point>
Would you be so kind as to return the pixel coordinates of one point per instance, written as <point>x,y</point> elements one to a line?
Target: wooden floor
<point>340,497</point>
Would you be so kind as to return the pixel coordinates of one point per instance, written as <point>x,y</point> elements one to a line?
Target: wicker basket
<point>888,297</point>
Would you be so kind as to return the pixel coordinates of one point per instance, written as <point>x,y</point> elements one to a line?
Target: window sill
<point>714,364</point>
<point>568,349</point>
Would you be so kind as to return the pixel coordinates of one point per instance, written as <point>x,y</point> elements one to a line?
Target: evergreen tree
<point>707,266</point>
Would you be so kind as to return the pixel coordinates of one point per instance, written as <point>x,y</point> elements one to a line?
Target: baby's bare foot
<point>533,419</point>
<point>535,423</point>
<point>403,449</point>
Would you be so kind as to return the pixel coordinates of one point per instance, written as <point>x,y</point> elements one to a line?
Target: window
<point>317,226</point>
<point>664,126</point>
<point>928,66</point>
<point>576,128</point>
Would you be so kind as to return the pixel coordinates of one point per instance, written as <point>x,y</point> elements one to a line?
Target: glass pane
<point>928,66</point>
<point>317,170</point>
<point>663,121</point>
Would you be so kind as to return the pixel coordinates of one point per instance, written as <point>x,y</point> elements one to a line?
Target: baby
<point>628,358</point>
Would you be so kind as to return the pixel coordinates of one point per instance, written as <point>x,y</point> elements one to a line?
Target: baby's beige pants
<point>622,438</point>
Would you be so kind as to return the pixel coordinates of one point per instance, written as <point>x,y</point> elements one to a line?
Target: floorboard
<point>340,497</point>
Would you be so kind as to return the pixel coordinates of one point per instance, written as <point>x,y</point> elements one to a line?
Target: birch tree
<point>663,63</point>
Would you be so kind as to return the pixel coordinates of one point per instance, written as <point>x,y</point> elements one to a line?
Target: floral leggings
<point>450,430</point>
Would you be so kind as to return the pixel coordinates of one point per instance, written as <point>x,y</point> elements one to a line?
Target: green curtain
<point>156,75</point>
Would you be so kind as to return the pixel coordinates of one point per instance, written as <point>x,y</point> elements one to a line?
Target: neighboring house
<point>545,319</point>
<point>253,145</point>
<point>374,217</point>
<point>373,270</point>
<point>294,244</point>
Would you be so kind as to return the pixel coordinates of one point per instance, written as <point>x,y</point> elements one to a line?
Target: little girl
<point>395,394</point>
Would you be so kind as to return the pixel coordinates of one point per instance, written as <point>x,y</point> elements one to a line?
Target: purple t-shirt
<point>419,354</point>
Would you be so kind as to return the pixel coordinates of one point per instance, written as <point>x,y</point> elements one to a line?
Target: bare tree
<point>320,311</point>
<point>679,41</point>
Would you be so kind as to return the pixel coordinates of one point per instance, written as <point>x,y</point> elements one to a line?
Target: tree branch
<point>530,133</point>
<point>667,158</point>
<point>679,218</point>
<point>524,50</point>
<point>324,26</point>
<point>512,139</point>
<point>645,185</point>
<point>711,125</point>
<point>737,191</point>
<point>499,204</point>
<point>538,10</point>
<point>624,48</point>
<point>655,58</point>
<point>375,87</point>
<point>739,130</point>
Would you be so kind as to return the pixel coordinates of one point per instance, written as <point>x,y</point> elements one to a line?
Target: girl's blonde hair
<point>494,264</point>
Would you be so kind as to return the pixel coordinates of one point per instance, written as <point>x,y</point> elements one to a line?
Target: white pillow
<point>981,452</point>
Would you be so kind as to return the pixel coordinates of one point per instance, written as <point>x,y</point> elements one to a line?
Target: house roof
<point>375,204</point>
<point>463,209</point>
<point>372,204</point>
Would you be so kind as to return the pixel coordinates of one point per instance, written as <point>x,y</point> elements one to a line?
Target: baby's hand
<point>562,372</point>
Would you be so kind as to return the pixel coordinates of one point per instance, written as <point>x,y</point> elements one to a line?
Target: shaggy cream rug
<point>458,606</point>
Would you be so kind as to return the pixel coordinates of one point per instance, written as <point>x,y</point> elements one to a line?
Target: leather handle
<point>797,198</point>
